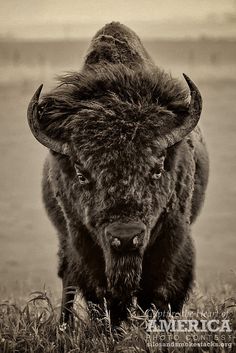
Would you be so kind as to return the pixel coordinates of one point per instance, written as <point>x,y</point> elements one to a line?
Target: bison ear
<point>34,115</point>
<point>189,116</point>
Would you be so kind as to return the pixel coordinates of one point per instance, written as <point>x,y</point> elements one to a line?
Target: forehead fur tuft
<point>110,101</point>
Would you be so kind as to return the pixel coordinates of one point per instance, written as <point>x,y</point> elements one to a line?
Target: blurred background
<point>39,40</point>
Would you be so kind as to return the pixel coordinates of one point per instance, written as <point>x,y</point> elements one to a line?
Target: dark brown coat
<point>126,154</point>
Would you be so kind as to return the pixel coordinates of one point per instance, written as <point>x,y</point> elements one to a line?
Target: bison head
<point>113,133</point>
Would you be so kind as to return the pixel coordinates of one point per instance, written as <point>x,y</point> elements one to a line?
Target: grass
<point>34,327</point>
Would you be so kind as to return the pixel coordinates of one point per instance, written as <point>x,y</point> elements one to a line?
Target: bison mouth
<point>123,273</point>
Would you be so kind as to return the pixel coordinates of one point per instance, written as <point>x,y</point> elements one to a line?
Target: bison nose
<point>125,236</point>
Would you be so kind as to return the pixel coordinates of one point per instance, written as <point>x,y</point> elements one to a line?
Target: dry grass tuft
<point>34,327</point>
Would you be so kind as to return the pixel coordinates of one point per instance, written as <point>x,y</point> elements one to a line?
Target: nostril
<point>136,241</point>
<point>116,243</point>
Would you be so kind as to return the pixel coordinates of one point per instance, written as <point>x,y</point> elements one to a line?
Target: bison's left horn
<point>33,121</point>
<point>190,119</point>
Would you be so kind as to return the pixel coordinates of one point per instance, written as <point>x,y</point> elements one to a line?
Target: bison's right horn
<point>33,121</point>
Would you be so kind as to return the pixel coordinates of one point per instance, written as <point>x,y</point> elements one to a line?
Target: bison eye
<point>158,169</point>
<point>82,179</point>
<point>157,176</point>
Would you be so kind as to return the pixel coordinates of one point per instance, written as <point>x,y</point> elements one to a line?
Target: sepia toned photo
<point>117,183</point>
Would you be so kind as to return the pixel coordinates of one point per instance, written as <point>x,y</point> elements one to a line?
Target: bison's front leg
<point>118,312</point>
<point>68,297</point>
<point>163,305</point>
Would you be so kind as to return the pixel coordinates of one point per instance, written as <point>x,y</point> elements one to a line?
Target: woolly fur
<point>113,114</point>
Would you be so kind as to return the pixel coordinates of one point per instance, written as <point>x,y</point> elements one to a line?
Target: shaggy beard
<point>123,274</point>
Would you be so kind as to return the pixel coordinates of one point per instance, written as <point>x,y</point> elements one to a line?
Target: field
<point>28,242</point>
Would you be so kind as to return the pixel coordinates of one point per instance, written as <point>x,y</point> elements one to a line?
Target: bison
<point>125,176</point>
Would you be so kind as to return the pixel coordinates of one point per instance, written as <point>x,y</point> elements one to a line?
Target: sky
<point>30,17</point>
